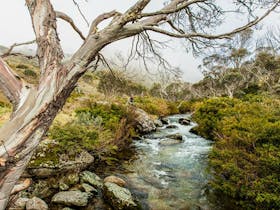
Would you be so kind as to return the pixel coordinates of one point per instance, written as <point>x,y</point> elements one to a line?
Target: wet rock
<point>71,198</point>
<point>36,204</point>
<point>120,198</point>
<point>19,204</point>
<point>91,178</point>
<point>144,121</point>
<point>164,121</point>
<point>168,142</point>
<point>175,136</point>
<point>194,130</point>
<point>171,126</point>
<point>184,121</point>
<point>116,180</point>
<point>158,123</point>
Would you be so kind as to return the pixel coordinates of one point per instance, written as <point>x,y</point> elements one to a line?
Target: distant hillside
<point>3,49</point>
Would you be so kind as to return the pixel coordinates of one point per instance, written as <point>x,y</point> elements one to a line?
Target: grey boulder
<point>71,198</point>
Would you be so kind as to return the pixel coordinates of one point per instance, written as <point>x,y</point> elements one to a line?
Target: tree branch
<point>132,13</point>
<point>166,11</point>
<point>68,19</point>
<point>209,36</point>
<point>100,18</point>
<point>49,51</point>
<point>16,45</point>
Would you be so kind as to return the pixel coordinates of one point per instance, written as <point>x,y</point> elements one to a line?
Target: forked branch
<point>100,18</point>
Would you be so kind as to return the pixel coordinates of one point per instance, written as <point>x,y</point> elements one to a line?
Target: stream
<point>171,176</point>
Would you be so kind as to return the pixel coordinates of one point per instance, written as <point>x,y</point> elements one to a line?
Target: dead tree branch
<point>68,19</point>
<point>17,45</point>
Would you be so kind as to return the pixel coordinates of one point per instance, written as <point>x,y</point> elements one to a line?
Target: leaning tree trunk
<point>24,131</point>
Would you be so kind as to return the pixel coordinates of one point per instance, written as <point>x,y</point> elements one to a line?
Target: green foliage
<point>74,136</point>
<point>184,107</point>
<point>156,106</point>
<point>246,156</point>
<point>104,115</point>
<point>30,73</point>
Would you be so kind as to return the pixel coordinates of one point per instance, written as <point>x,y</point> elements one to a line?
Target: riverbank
<point>245,159</point>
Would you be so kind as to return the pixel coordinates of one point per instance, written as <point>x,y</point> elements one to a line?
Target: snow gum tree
<point>35,106</point>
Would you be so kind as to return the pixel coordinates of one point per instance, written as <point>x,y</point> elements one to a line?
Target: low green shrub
<point>245,160</point>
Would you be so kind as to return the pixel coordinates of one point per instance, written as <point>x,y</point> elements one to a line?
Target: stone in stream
<point>36,204</point>
<point>91,178</point>
<point>168,142</point>
<point>175,136</point>
<point>171,126</point>
<point>144,121</point>
<point>116,180</point>
<point>184,121</point>
<point>71,198</point>
<point>158,123</point>
<point>120,198</point>
<point>164,121</point>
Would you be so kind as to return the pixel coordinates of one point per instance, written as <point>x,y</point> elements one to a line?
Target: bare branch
<point>17,45</point>
<point>49,51</point>
<point>132,13</point>
<point>10,83</point>
<point>167,11</point>
<point>81,13</point>
<point>209,36</point>
<point>68,19</point>
<point>100,18</point>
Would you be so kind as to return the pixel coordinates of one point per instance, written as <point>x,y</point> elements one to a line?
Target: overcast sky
<point>16,26</point>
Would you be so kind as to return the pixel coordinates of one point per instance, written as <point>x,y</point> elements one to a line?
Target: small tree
<point>35,107</point>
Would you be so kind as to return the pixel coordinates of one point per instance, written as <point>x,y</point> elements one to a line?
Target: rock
<point>184,121</point>
<point>42,189</point>
<point>167,142</point>
<point>164,121</point>
<point>63,186</point>
<point>20,204</point>
<point>120,198</point>
<point>116,180</point>
<point>194,130</point>
<point>158,123</point>
<point>171,126</point>
<point>67,208</point>
<point>176,136</point>
<point>36,204</point>
<point>89,189</point>
<point>50,169</point>
<point>92,179</point>
<point>71,198</point>
<point>144,121</point>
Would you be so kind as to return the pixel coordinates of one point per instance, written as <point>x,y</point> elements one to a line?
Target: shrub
<point>245,159</point>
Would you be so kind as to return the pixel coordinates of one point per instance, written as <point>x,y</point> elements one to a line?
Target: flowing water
<point>172,176</point>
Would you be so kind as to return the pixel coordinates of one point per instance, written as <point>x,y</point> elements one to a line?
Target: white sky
<point>15,25</point>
